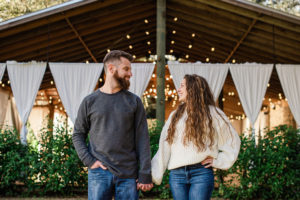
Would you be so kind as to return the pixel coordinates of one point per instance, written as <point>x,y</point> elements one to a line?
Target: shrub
<point>13,162</point>
<point>268,171</point>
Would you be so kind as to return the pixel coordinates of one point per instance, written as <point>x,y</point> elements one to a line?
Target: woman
<point>196,137</point>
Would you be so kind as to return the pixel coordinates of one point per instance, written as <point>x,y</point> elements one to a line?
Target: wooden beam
<point>227,23</point>
<point>222,46</point>
<point>69,52</point>
<point>161,51</point>
<point>98,38</point>
<point>218,33</point>
<point>240,41</point>
<point>289,23</point>
<point>110,24</point>
<point>18,27</point>
<point>81,40</point>
<point>83,21</point>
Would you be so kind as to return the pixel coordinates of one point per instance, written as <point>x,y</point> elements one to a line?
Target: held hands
<point>207,162</point>
<point>144,187</point>
<point>98,164</point>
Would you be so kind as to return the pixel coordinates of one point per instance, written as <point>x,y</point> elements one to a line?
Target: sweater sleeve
<point>142,144</point>
<point>160,161</point>
<point>228,144</point>
<point>81,130</point>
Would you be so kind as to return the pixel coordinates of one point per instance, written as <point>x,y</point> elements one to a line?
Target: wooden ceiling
<point>80,31</point>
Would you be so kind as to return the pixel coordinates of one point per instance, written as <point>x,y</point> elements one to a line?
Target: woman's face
<point>182,91</point>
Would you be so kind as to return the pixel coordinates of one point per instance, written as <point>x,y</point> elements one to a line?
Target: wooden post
<point>161,51</point>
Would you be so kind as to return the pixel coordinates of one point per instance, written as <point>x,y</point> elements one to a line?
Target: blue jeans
<point>193,182</point>
<point>103,185</point>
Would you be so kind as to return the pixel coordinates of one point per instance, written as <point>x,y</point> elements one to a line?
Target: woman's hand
<point>207,162</point>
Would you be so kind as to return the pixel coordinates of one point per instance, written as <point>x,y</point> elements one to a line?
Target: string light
<point>233,61</point>
<point>153,75</point>
<point>172,42</point>
<point>193,34</point>
<point>108,50</point>
<point>130,47</point>
<point>8,82</point>
<point>146,21</point>
<point>149,52</point>
<point>148,42</point>
<point>147,32</point>
<point>223,99</point>
<point>207,59</point>
<point>3,85</point>
<point>268,85</point>
<point>190,46</point>
<point>87,62</point>
<point>213,49</point>
<point>187,56</point>
<point>134,56</point>
<point>51,82</point>
<point>175,19</point>
<point>171,50</point>
<point>239,103</point>
<point>174,32</point>
<point>128,36</point>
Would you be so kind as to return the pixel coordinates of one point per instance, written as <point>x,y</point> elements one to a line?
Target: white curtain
<point>215,74</point>
<point>74,81</point>
<point>289,76</point>
<point>251,80</point>
<point>25,80</point>
<point>141,75</point>
<point>2,69</point>
<point>4,98</point>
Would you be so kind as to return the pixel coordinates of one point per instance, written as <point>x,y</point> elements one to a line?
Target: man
<point>118,154</point>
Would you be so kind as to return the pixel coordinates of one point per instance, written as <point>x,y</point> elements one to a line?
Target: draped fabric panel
<point>2,69</point>
<point>141,75</point>
<point>215,74</point>
<point>4,98</point>
<point>251,80</point>
<point>289,76</point>
<point>74,81</point>
<point>25,80</point>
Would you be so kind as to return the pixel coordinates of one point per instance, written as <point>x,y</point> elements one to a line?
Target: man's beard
<point>122,81</point>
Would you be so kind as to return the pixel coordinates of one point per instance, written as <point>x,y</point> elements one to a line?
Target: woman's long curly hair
<point>199,126</point>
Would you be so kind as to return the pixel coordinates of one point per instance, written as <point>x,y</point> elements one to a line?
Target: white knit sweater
<point>224,151</point>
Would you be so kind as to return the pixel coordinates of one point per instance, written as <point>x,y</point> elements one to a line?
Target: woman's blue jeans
<point>103,185</point>
<point>193,182</point>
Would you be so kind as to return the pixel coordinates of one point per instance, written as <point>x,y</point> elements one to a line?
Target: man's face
<point>123,73</point>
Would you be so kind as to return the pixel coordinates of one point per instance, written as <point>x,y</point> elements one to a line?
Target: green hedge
<point>52,167</point>
<point>268,171</point>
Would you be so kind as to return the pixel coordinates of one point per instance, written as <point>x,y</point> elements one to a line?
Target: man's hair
<point>115,55</point>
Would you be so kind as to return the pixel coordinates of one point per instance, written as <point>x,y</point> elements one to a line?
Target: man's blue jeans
<point>103,185</point>
<point>193,182</point>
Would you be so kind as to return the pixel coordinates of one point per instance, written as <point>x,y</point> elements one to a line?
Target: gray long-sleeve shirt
<point>118,134</point>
